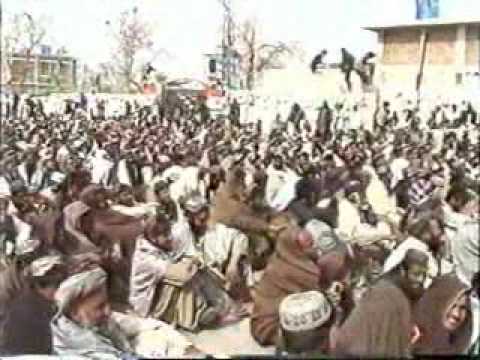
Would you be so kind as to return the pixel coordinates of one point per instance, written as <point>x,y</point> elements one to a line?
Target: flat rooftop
<point>423,23</point>
<point>43,57</point>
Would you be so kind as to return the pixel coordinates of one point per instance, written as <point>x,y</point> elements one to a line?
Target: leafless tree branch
<point>133,38</point>
<point>25,34</point>
<point>257,56</point>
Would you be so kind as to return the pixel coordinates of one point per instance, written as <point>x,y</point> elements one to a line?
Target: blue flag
<point>427,9</point>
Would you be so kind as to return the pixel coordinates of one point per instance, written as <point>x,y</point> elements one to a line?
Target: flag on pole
<point>427,9</point>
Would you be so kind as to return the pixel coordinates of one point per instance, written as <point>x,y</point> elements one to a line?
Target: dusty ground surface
<point>230,340</point>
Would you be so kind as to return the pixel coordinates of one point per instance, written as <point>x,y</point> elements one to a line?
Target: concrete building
<point>37,74</point>
<point>452,55</point>
<point>226,69</point>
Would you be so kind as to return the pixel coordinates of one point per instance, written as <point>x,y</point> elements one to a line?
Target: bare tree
<point>87,78</point>
<point>134,48</point>
<point>24,35</point>
<point>258,56</point>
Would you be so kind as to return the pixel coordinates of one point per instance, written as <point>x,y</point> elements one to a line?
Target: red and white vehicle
<point>217,100</point>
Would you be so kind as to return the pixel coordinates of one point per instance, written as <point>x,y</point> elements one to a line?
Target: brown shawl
<point>379,326</point>
<point>106,227</point>
<point>289,271</point>
<point>429,314</point>
<point>87,196</point>
<point>45,227</point>
<point>230,208</point>
<point>99,227</point>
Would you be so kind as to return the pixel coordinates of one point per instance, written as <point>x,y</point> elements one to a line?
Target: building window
<point>44,68</point>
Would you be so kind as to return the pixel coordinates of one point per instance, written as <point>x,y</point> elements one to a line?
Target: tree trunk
<point>250,81</point>
<point>251,62</point>
<point>25,69</point>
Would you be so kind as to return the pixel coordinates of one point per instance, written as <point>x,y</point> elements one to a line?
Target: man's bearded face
<point>415,275</point>
<point>101,200</point>
<point>277,164</point>
<point>163,193</point>
<point>304,161</point>
<point>199,222</point>
<point>92,311</point>
<point>126,198</point>
<point>384,173</point>
<point>164,240</point>
<point>434,236</point>
<point>329,164</point>
<point>382,167</point>
<point>56,187</point>
<point>354,198</point>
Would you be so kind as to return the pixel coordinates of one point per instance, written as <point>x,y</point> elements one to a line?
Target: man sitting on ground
<point>86,326</point>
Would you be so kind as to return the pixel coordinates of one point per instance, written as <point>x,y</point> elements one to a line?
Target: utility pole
<point>1,73</point>
<point>423,53</point>
<point>229,46</point>
<point>224,46</point>
<point>227,42</point>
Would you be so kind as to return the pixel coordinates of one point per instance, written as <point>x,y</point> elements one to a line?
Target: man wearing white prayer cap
<point>305,320</point>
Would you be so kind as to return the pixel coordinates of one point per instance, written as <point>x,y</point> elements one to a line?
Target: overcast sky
<point>190,28</point>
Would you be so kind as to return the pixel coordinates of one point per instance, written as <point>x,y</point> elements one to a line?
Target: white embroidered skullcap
<point>304,311</point>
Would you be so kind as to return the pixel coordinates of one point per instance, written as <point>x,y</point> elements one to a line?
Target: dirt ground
<point>230,340</point>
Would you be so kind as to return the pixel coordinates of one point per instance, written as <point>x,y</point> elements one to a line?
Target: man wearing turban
<point>86,326</point>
